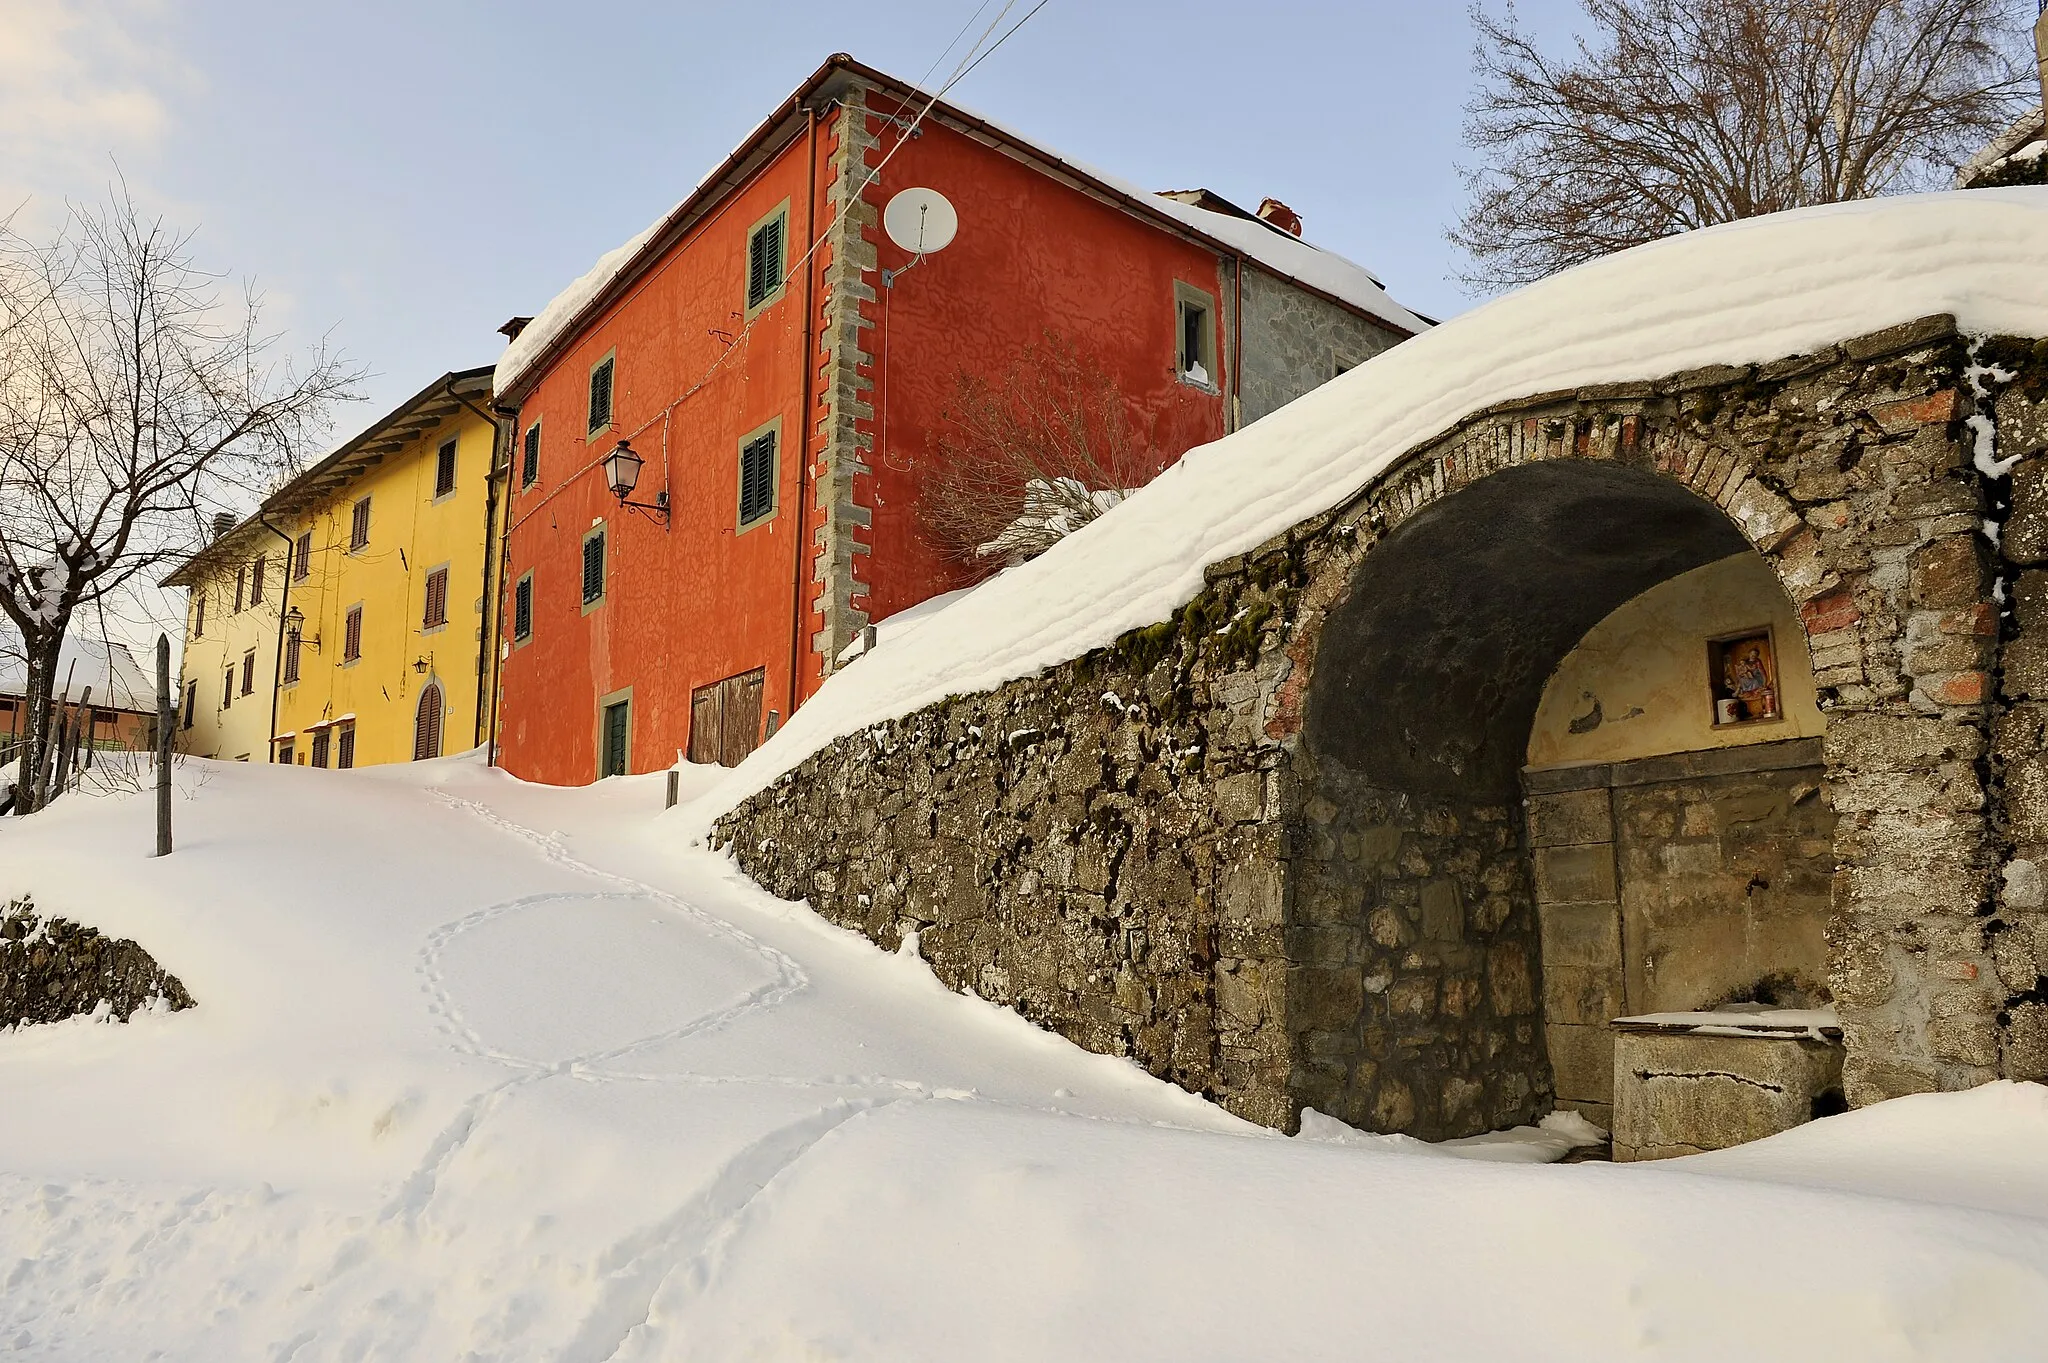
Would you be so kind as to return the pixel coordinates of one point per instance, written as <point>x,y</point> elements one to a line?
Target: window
<point>320,745</point>
<point>241,585</point>
<point>258,571</point>
<point>522,609</point>
<point>191,703</point>
<point>292,641</point>
<point>757,477</point>
<point>359,526</point>
<point>284,751</point>
<point>302,557</point>
<point>601,394</point>
<point>529,464</point>
<point>249,673</point>
<point>593,568</point>
<point>199,614</point>
<point>1195,359</point>
<point>345,746</point>
<point>765,260</point>
<point>436,613</point>
<point>615,734</point>
<point>426,724</point>
<point>227,688</point>
<point>352,636</point>
<point>444,470</point>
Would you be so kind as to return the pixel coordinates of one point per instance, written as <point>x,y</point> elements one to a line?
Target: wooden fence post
<point>164,715</point>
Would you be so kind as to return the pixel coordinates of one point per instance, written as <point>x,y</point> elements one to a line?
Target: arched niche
<point>1417,993</point>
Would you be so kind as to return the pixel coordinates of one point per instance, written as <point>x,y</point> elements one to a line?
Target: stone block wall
<point>1140,850</point>
<point>53,968</point>
<point>1295,341</point>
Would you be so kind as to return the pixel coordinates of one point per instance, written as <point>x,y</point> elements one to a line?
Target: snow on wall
<point>1741,293</point>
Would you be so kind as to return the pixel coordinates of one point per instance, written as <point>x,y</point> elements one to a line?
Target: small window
<point>345,747</point>
<point>444,470</point>
<point>227,688</point>
<point>522,609</point>
<point>191,704</point>
<point>292,641</point>
<point>359,526</point>
<point>199,614</point>
<point>757,478</point>
<point>302,557</point>
<point>352,635</point>
<point>436,613</point>
<point>284,751</point>
<point>241,586</point>
<point>765,258</point>
<point>249,673</point>
<point>593,567</point>
<point>601,394</point>
<point>321,740</point>
<point>529,464</point>
<point>258,571</point>
<point>1195,342</point>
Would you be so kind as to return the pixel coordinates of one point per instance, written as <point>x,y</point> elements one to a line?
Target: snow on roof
<point>1277,251</point>
<point>117,681</point>
<point>1741,293</point>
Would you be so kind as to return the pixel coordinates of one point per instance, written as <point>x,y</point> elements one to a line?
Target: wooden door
<point>725,719</point>
<point>615,739</point>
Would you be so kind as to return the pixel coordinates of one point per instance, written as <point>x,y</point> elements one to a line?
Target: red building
<point>782,400</point>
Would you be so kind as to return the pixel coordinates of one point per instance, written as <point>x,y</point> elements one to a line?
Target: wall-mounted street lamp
<point>622,475</point>
<point>295,623</point>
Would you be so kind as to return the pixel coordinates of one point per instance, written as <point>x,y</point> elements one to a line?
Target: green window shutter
<point>593,568</point>
<point>765,261</point>
<point>601,396</point>
<point>757,478</point>
<point>529,471</point>
<point>522,609</point>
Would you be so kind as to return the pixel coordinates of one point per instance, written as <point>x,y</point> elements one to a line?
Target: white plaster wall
<point>1646,667</point>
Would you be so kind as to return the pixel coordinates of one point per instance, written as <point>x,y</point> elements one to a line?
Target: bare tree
<point>1021,464</point>
<point>134,401</point>
<point>1678,114</point>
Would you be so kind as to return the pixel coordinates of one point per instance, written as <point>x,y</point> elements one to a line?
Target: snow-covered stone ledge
<point>53,968</point>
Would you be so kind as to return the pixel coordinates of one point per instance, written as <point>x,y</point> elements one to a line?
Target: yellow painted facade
<point>412,656</point>
<point>230,656</point>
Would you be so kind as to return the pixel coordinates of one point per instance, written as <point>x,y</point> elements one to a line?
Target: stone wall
<point>1295,341</point>
<point>52,968</point>
<point>1197,847</point>
<point>1669,884</point>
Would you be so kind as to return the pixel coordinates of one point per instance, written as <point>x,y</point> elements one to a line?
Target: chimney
<point>510,331</point>
<point>1281,216</point>
<point>223,521</point>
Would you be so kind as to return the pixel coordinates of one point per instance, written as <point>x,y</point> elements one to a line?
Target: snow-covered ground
<point>484,1070</point>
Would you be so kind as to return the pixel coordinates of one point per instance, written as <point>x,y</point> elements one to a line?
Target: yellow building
<point>386,645</point>
<point>348,622</point>
<point>235,600</point>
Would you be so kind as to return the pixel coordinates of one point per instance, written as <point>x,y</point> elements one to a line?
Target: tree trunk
<point>32,780</point>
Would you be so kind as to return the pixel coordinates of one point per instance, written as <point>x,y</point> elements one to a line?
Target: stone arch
<point>1418,869</point>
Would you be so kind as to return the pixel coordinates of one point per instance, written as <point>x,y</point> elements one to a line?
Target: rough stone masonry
<point>1274,848</point>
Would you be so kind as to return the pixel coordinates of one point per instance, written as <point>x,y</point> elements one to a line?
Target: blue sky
<point>404,177</point>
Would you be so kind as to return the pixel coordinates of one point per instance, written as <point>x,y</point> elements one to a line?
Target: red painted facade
<point>697,600</point>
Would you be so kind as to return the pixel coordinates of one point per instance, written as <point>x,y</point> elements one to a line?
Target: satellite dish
<point>920,221</point>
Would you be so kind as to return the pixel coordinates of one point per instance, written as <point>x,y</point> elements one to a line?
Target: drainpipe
<point>797,614</point>
<point>486,662</point>
<point>284,599</point>
<point>1237,347</point>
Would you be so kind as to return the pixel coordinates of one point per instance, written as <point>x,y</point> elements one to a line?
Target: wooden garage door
<point>725,719</point>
